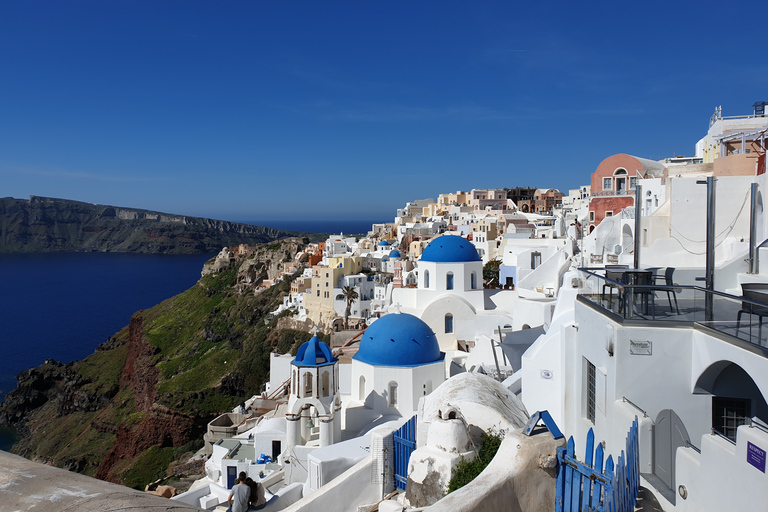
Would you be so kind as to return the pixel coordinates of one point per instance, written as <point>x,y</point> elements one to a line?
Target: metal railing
<point>734,316</point>
<point>757,424</point>
<point>688,444</point>
<point>630,402</point>
<point>719,434</point>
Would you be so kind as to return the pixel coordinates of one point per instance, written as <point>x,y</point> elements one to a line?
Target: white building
<point>398,362</point>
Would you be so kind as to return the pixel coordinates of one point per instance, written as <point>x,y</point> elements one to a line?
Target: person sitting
<point>240,495</point>
<point>258,500</point>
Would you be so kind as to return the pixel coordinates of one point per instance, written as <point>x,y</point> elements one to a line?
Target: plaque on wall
<point>640,348</point>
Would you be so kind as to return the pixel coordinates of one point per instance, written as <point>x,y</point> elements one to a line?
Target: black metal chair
<point>757,292</point>
<point>670,284</point>
<point>614,276</point>
<point>645,280</point>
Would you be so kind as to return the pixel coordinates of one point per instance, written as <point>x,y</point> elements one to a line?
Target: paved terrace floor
<point>31,486</point>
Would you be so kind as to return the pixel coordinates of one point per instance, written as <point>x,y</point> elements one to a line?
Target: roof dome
<point>314,353</point>
<point>450,249</point>
<point>399,339</point>
<point>394,254</point>
<point>383,243</point>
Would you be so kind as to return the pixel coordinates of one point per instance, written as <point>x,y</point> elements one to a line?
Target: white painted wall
<point>352,488</point>
<point>413,383</point>
<point>279,370</point>
<point>721,478</point>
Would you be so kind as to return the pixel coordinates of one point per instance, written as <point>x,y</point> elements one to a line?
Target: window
<point>472,278</point>
<point>361,390</point>
<point>449,281</point>
<point>591,391</point>
<point>448,323</point>
<point>535,260</point>
<point>607,183</point>
<point>392,399</point>
<point>307,384</point>
<point>326,383</point>
<point>633,183</point>
<point>729,413</point>
<point>609,214</point>
<point>592,216</point>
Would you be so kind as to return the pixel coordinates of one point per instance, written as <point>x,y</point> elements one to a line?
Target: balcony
<point>732,318</point>
<point>609,193</point>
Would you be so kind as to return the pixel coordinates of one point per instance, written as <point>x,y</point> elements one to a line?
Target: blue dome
<point>399,339</point>
<point>383,243</point>
<point>394,254</point>
<point>450,249</point>
<point>314,353</point>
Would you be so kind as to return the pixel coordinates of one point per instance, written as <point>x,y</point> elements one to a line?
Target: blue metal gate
<point>588,487</point>
<point>405,443</point>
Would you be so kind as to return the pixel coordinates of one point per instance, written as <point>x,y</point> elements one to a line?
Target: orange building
<point>613,184</point>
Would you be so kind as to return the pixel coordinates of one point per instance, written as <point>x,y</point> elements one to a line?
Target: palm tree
<point>350,295</point>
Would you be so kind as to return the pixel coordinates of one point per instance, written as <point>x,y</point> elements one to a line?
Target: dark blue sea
<point>63,305</point>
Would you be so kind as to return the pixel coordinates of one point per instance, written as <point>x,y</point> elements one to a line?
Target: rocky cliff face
<point>43,224</point>
<point>142,401</point>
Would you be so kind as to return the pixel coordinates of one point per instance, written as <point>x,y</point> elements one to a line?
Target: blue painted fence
<point>587,486</point>
<point>405,443</point>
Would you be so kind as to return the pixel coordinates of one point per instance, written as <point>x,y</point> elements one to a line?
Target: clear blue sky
<point>325,109</point>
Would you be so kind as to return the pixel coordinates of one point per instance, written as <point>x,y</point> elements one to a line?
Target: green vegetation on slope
<point>207,349</point>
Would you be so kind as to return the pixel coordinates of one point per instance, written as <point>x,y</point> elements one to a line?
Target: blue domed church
<point>449,296</point>
<point>398,362</point>
<point>314,400</point>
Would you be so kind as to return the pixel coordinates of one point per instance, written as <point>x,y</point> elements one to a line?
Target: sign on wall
<point>756,456</point>
<point>640,348</point>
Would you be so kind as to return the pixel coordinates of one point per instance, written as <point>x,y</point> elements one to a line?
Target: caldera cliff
<point>44,224</point>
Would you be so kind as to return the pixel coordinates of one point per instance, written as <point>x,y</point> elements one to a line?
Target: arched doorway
<point>669,434</point>
<point>627,239</point>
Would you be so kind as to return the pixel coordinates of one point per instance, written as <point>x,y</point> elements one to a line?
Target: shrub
<point>466,471</point>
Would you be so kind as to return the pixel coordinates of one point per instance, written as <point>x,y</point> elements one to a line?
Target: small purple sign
<point>756,456</point>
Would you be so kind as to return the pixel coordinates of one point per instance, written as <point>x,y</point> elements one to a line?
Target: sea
<point>63,305</point>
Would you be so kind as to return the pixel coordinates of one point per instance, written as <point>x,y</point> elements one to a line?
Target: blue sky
<point>328,109</point>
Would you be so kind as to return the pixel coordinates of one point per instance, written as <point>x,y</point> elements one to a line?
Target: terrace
<point>735,319</point>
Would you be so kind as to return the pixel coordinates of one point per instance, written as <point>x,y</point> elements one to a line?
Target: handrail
<point>630,402</point>
<point>759,425</point>
<point>688,444</point>
<point>717,433</point>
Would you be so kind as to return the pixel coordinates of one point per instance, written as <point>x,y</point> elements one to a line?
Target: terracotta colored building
<point>613,184</point>
<point>548,199</point>
<point>523,198</point>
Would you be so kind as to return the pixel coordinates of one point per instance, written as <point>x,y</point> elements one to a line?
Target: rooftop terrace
<point>735,319</point>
